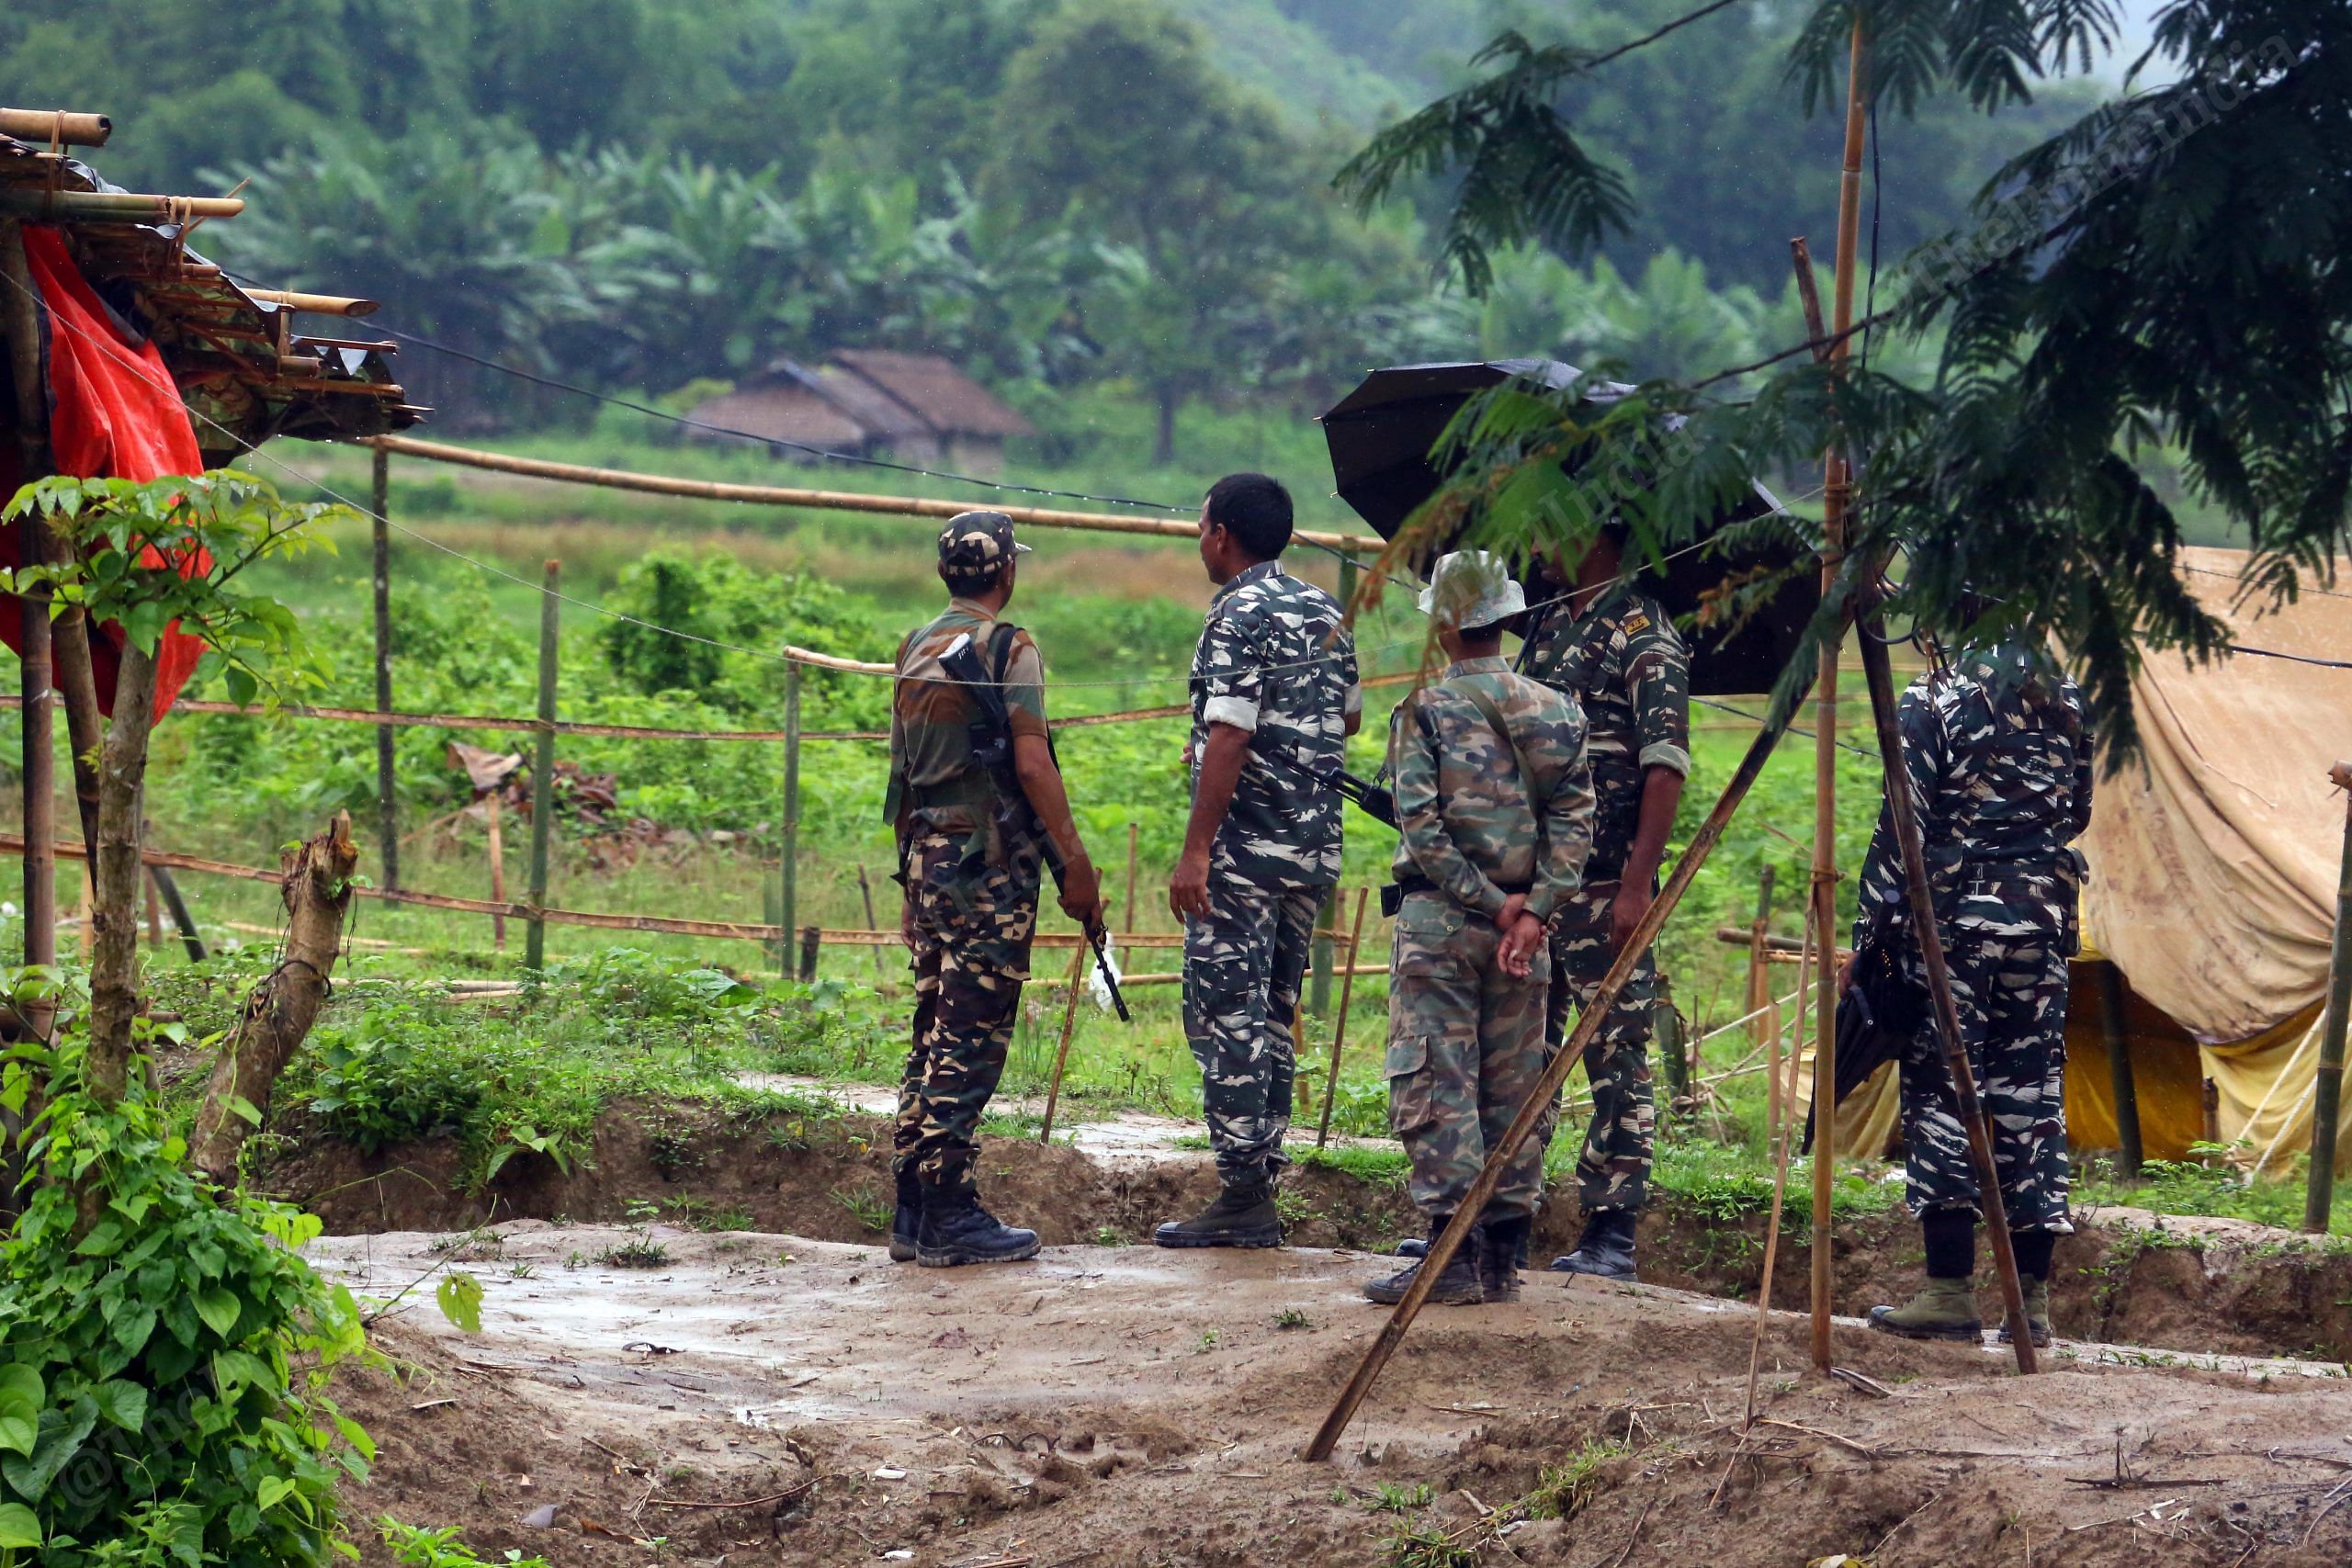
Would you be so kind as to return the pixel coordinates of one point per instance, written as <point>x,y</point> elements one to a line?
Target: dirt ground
<point>762,1398</point>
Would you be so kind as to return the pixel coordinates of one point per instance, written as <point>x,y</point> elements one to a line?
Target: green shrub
<point>162,1361</point>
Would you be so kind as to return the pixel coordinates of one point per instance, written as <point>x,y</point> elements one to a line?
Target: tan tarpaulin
<point>2213,870</point>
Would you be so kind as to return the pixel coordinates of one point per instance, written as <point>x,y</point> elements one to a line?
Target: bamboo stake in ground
<point>387,804</point>
<point>1130,926</point>
<point>1760,995</point>
<point>866,891</point>
<point>1523,1125</point>
<point>1339,1032</point>
<point>491,820</point>
<point>1779,1187</point>
<point>534,938</point>
<point>1958,1068</point>
<point>789,852</point>
<point>1077,958</point>
<point>278,1014</point>
<point>21,315</point>
<point>2327,1084</point>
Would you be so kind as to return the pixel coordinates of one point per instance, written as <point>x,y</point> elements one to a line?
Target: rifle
<point>991,736</point>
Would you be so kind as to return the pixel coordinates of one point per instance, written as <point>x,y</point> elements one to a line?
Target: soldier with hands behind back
<point>970,867</point>
<point>1275,697</point>
<point>1998,750</point>
<point>1495,805</point>
<point>1613,650</point>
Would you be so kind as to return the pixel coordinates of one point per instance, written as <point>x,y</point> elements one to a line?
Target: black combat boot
<point>1242,1215</point>
<point>1418,1246</point>
<point>955,1229</point>
<point>907,1218</point>
<point>1605,1250</point>
<point>1502,1252</point>
<point>1458,1286</point>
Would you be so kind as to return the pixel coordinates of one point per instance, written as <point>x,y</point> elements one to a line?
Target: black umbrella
<point>1381,436</point>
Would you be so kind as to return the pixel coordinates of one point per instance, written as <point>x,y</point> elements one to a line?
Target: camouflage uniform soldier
<point>1999,755</point>
<point>1494,801</point>
<point>1614,650</point>
<point>1275,697</point>
<point>971,905</point>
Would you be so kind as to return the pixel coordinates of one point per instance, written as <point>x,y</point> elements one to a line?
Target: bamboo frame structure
<point>535,935</point>
<point>313,304</point>
<point>115,207</point>
<point>1077,958</point>
<point>1340,1031</point>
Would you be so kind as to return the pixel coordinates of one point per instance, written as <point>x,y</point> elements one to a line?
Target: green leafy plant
<point>415,1546</point>
<point>164,1350</point>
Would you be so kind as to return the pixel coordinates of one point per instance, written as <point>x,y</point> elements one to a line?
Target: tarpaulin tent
<point>2213,867</point>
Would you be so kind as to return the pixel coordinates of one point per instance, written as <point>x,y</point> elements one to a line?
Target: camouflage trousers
<point>1465,1045</point>
<point>1614,1167</point>
<point>971,955</point>
<point>1242,967</point>
<point>2009,985</point>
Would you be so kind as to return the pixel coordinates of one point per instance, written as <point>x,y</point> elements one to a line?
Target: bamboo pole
<point>113,206</point>
<point>387,804</point>
<point>866,891</point>
<point>20,312</point>
<point>492,821</point>
<point>1958,1068</point>
<point>1131,879</point>
<point>788,871</point>
<point>534,939</point>
<point>2327,1082</point>
<point>316,305</point>
<point>2121,1076</point>
<point>62,127</point>
<point>1531,1110</point>
<point>1780,1184</point>
<point>174,906</point>
<point>154,913</point>
<point>1077,958</point>
<point>1339,1032</point>
<point>1760,995</point>
<point>822,499</point>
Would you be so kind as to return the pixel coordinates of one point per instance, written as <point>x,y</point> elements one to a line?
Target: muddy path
<point>2192,1285</point>
<point>761,1398</point>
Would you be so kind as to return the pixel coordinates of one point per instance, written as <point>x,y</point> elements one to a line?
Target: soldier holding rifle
<point>1495,805</point>
<point>969,857</point>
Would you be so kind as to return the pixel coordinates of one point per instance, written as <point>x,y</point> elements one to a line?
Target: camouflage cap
<point>977,542</point>
<point>1471,589</point>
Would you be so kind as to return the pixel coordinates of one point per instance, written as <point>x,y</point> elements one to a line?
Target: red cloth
<point>114,410</point>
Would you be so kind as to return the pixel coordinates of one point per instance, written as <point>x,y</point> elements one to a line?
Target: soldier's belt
<point>1393,897</point>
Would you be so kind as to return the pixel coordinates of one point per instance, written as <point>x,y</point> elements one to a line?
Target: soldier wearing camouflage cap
<point>1998,748</point>
<point>1495,805</point>
<point>1614,648</point>
<point>971,904</point>
<point>1275,697</point>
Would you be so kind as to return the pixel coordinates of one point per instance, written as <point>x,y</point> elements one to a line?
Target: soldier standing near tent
<point>1275,697</point>
<point>1615,651</point>
<point>1999,751</point>
<point>972,885</point>
<point>1495,807</point>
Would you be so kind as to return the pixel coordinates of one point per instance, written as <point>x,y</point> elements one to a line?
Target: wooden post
<point>82,922</point>
<point>1340,1031</point>
<point>2128,1151</point>
<point>2327,1085</point>
<point>866,891</point>
<point>812,937</point>
<point>21,314</point>
<point>1665,1027</point>
<point>788,851</point>
<point>1958,1069</point>
<point>1779,1157</point>
<point>534,938</point>
<point>1077,958</point>
<point>1130,927</point>
<point>1547,1088</point>
<point>1837,494</point>
<point>497,868</point>
<point>177,907</point>
<point>388,814</point>
<point>154,914</point>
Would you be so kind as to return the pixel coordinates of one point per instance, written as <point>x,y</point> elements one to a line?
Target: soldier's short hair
<point>1255,509</point>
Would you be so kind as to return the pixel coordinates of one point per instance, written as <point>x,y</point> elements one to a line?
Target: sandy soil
<point>1113,1405</point>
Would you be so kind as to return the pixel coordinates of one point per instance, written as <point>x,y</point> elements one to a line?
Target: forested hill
<point>1059,193</point>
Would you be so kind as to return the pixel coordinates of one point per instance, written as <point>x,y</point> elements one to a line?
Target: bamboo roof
<point>242,364</point>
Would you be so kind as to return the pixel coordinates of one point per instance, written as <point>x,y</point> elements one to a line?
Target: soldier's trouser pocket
<point>1410,1104</point>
